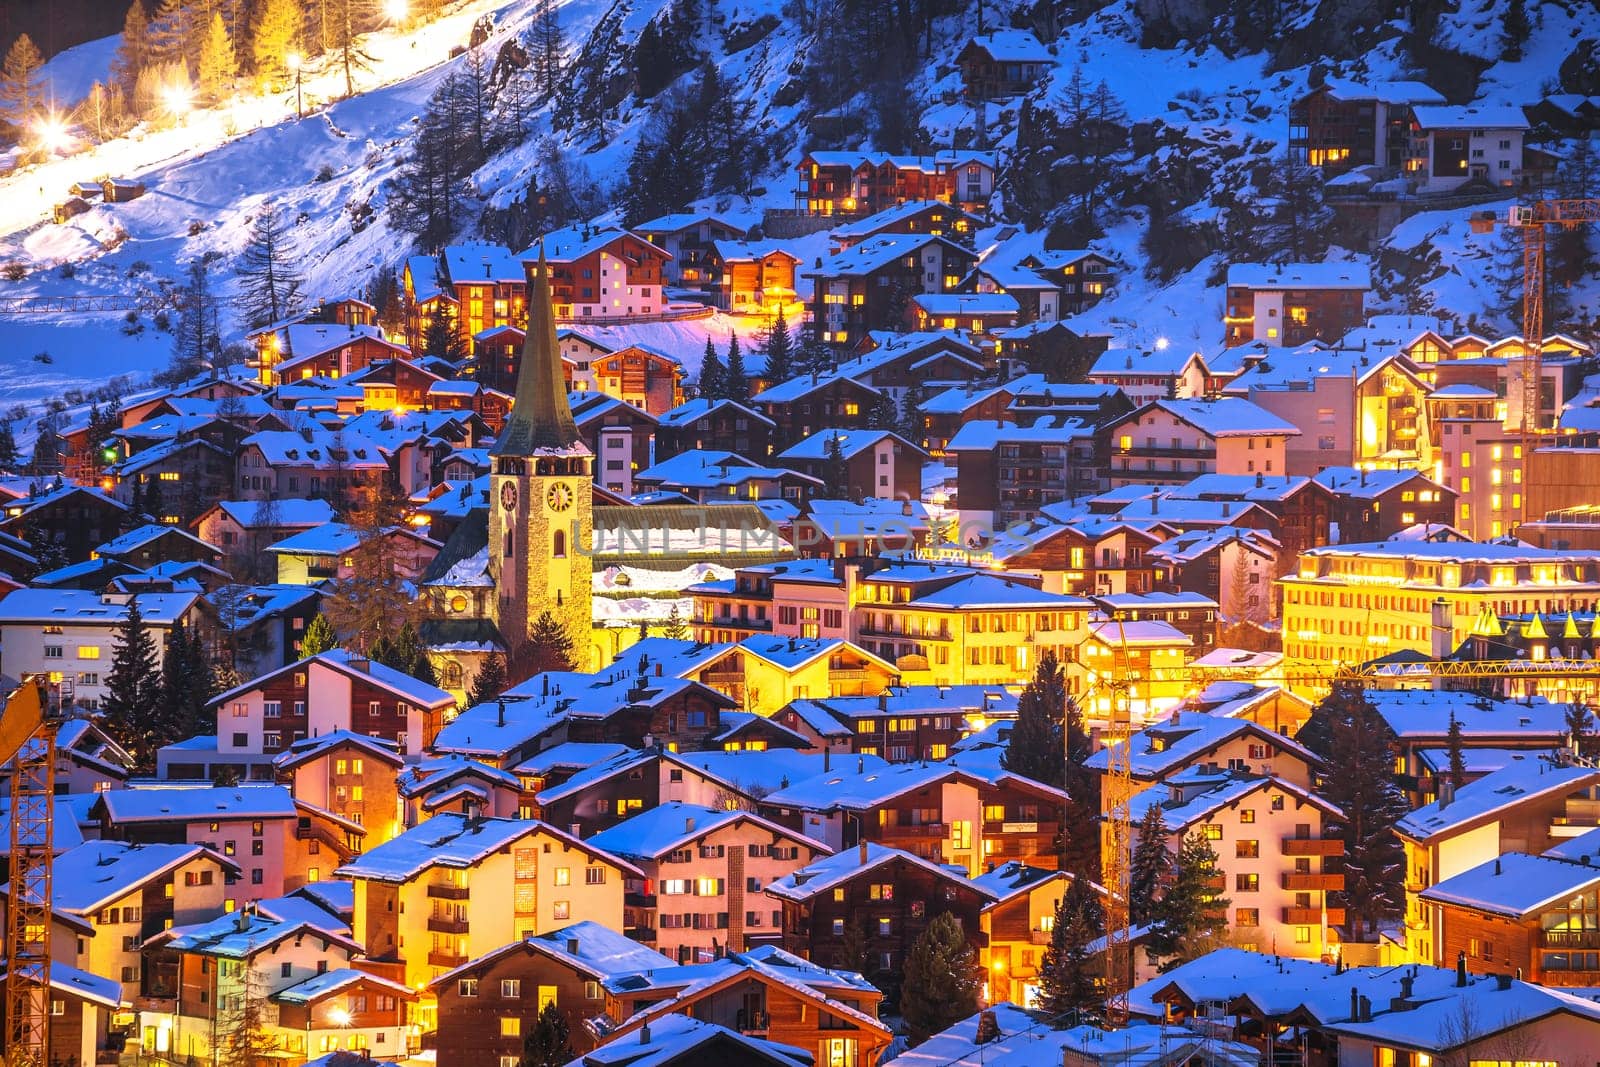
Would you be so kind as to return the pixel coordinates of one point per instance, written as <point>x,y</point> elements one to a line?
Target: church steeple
<point>541,418</point>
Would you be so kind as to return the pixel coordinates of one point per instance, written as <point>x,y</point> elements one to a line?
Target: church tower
<point>541,507</point>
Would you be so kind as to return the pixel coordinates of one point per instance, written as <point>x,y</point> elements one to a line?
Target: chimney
<point>1366,1009</point>
<point>1227,508</point>
<point>1502,982</point>
<point>861,765</point>
<point>827,757</point>
<point>500,717</point>
<point>1461,970</point>
<point>1261,480</point>
<point>988,1028</point>
<point>1447,793</point>
<point>863,853</point>
<point>572,946</point>
<point>1355,1005</point>
<point>1497,870</point>
<point>1407,982</point>
<point>688,825</point>
<point>1363,477</point>
<point>644,1034</point>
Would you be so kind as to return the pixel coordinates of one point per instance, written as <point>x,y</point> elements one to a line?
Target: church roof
<point>541,419</point>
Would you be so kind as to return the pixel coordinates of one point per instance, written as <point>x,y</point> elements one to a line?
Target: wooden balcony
<point>1313,846</point>
<point>438,958</point>
<point>442,925</point>
<point>1311,916</point>
<point>1313,882</point>
<point>447,891</point>
<point>1570,938</point>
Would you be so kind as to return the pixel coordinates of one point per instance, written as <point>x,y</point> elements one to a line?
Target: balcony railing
<point>1312,846</point>
<point>441,925</point>
<point>926,829</point>
<point>1156,452</point>
<point>1311,882</point>
<point>437,958</point>
<point>1570,938</point>
<point>1312,916</point>
<point>754,1022</point>
<point>447,891</point>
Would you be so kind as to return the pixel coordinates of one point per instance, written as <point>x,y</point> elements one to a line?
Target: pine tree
<point>133,54</point>
<point>713,378</point>
<point>1454,748</point>
<point>1067,988</point>
<point>218,64</point>
<point>883,415</point>
<point>548,648</point>
<point>1193,916</point>
<point>46,448</point>
<point>1357,747</point>
<point>779,352</point>
<point>1150,868</point>
<point>546,48</point>
<point>735,382</point>
<point>1514,29</point>
<point>269,283</point>
<point>548,1044</point>
<point>375,598</point>
<point>345,22</point>
<point>21,88</point>
<point>426,195</point>
<point>941,984</point>
<point>133,689</point>
<point>411,656</point>
<point>835,473</point>
<point>1036,748</point>
<point>675,629</point>
<point>489,682</point>
<point>319,637</point>
<point>185,688</point>
<point>1580,728</point>
<point>8,447</point>
<point>104,111</point>
<point>197,340</point>
<point>170,33</point>
<point>441,337</point>
<point>276,36</point>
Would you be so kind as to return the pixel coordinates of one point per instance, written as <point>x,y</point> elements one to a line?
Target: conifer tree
<point>1150,868</point>
<point>779,351</point>
<point>1067,987</point>
<point>133,54</point>
<point>318,638</point>
<point>1454,748</point>
<point>441,338</point>
<point>197,340</point>
<point>836,473</point>
<point>21,88</point>
<point>548,1043</point>
<point>548,648</point>
<point>1036,748</point>
<point>489,682</point>
<point>940,980</point>
<point>675,629</point>
<point>276,35</point>
<point>1080,844</point>
<point>736,382</point>
<point>1357,747</point>
<point>185,687</point>
<point>1514,29</point>
<point>1580,728</point>
<point>133,689</point>
<point>218,64</point>
<point>1193,916</point>
<point>269,279</point>
<point>883,415</point>
<point>376,597</point>
<point>8,447</point>
<point>546,48</point>
<point>170,33</point>
<point>713,377</point>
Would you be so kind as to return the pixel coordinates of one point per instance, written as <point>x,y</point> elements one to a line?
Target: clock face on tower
<point>559,496</point>
<point>508,496</point>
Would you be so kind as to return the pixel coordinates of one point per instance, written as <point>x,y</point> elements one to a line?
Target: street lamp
<point>52,132</point>
<point>396,10</point>
<point>294,62</point>
<point>178,98</point>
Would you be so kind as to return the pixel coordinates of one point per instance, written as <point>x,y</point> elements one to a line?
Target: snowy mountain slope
<point>1226,116</point>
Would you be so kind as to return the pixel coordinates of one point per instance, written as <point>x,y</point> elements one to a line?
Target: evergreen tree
<point>133,54</point>
<point>941,984</point>
<point>8,447</point>
<point>185,688</point>
<point>1357,747</point>
<point>735,382</point>
<point>546,49</point>
<point>548,1044</point>
<point>21,87</point>
<point>1037,748</point>
<point>1454,748</point>
<point>441,338</point>
<point>1193,916</point>
<point>1580,729</point>
<point>548,648</point>
<point>427,193</point>
<point>269,283</point>
<point>411,656</point>
<point>104,111</point>
<point>344,23</point>
<point>713,378</point>
<point>46,448</point>
<point>133,689</point>
<point>318,638</point>
<point>1514,29</point>
<point>779,351</point>
<point>276,35</point>
<point>376,597</point>
<point>1150,868</point>
<point>675,629</point>
<point>218,64</point>
<point>169,34</point>
<point>1068,992</point>
<point>489,682</point>
<point>883,415</point>
<point>197,340</point>
<point>1080,844</point>
<point>836,473</point>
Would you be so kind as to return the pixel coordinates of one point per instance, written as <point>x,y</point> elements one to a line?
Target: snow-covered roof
<point>1012,46</point>
<point>1492,794</point>
<point>168,803</point>
<point>77,607</point>
<point>983,591</point>
<point>587,947</point>
<point>242,934</point>
<point>283,513</point>
<point>851,443</point>
<point>1187,736</point>
<point>412,690</point>
<point>874,787</point>
<point>698,468</point>
<point>1227,416</point>
<point>875,253</point>
<point>674,1039</point>
<point>700,407</point>
<point>480,262</point>
<point>96,873</point>
<point>455,841</point>
<point>1363,484</point>
<point>1300,275</point>
<point>569,755</point>
<point>1413,714</point>
<point>984,435</point>
<point>803,385</point>
<point>337,980</point>
<point>1142,633</point>
<point>1132,362</point>
<point>683,220</point>
<point>143,535</point>
<point>106,992</point>
<point>1387,92</point>
<point>1473,117</point>
<point>672,825</point>
<point>309,748</point>
<point>572,243</point>
<point>822,875</point>
<point>1515,884</point>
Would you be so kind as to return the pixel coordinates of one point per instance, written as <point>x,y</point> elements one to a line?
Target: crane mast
<point>27,740</point>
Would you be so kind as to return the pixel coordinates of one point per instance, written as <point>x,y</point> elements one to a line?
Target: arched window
<point>452,675</point>
<point>558,545</point>
<point>510,546</point>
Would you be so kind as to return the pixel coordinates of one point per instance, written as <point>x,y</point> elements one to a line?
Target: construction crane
<point>1533,220</point>
<point>28,743</point>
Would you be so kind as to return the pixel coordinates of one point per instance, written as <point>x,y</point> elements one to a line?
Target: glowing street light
<point>339,1017</point>
<point>51,130</point>
<point>295,61</point>
<point>396,10</point>
<point>1161,344</point>
<point>178,98</point>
